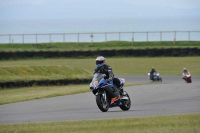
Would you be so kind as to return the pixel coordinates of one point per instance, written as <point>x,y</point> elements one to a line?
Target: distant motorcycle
<point>156,77</point>
<point>187,77</point>
<point>100,86</point>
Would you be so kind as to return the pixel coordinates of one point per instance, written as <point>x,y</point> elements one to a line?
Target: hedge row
<point>108,53</point>
<point>16,84</point>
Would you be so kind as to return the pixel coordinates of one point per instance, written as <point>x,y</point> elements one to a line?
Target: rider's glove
<point>109,79</point>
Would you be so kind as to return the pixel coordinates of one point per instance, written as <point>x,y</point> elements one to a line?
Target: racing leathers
<point>185,72</point>
<point>152,73</point>
<point>107,70</point>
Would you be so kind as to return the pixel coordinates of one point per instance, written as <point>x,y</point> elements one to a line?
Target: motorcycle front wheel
<point>126,104</point>
<point>188,81</point>
<point>102,103</point>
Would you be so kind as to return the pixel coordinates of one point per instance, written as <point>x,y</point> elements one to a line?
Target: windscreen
<point>98,77</point>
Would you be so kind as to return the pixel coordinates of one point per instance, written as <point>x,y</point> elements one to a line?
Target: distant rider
<point>102,67</point>
<point>185,72</point>
<point>152,73</point>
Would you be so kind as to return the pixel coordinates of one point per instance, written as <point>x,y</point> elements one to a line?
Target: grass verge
<point>85,46</point>
<point>27,73</point>
<point>120,65</point>
<point>29,93</point>
<point>158,124</point>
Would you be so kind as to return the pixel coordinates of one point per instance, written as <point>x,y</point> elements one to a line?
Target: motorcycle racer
<point>152,73</point>
<point>185,72</point>
<point>102,67</point>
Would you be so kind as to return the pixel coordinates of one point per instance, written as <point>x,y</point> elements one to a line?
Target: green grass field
<point>72,68</point>
<point>27,73</point>
<point>39,92</point>
<point>97,46</point>
<point>157,124</point>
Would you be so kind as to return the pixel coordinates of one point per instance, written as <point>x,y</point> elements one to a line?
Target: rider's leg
<point>117,82</point>
<point>151,78</point>
<point>114,93</point>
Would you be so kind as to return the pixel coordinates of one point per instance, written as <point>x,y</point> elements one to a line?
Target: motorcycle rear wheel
<point>102,103</point>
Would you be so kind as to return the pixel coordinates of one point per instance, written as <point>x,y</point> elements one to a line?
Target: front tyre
<point>102,103</point>
<point>160,79</point>
<point>126,103</point>
<point>189,81</point>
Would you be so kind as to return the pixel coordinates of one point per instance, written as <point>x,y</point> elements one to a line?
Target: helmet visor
<point>99,62</point>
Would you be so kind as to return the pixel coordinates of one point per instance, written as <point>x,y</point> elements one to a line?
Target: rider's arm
<point>110,72</point>
<point>96,70</point>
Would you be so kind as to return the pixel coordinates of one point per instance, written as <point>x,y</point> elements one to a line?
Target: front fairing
<point>103,82</point>
<point>156,74</point>
<point>188,75</point>
<point>98,81</point>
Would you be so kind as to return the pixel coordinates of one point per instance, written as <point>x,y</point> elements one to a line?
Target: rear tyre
<point>102,103</point>
<point>126,104</point>
<point>160,79</point>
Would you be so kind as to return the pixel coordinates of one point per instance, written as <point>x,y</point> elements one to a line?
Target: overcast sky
<point>96,9</point>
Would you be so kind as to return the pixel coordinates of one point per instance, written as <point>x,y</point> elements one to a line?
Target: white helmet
<point>100,61</point>
<point>184,69</point>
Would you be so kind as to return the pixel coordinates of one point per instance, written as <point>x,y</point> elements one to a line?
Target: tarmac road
<point>174,97</point>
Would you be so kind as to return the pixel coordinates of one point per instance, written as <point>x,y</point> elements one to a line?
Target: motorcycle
<point>156,77</point>
<point>188,78</point>
<point>100,88</point>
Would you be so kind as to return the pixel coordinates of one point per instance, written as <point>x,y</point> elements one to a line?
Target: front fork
<point>104,99</point>
<point>104,96</point>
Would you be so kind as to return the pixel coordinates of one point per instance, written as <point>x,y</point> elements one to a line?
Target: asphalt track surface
<point>172,97</point>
